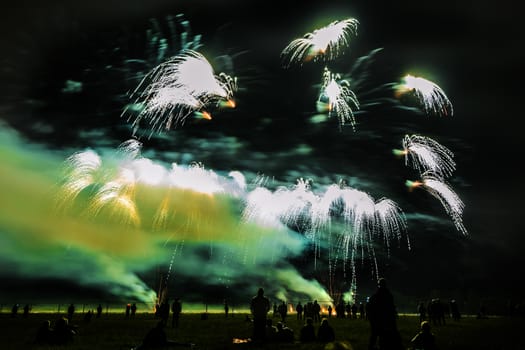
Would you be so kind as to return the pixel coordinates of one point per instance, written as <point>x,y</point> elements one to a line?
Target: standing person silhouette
<point>226,308</point>
<point>259,306</point>
<point>382,315</point>
<point>70,311</point>
<point>176,308</point>
<point>99,310</point>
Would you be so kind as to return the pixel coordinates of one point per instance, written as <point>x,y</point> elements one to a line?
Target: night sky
<point>470,49</point>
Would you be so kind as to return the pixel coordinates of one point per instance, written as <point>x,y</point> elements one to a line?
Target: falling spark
<point>340,100</point>
<point>80,171</point>
<point>426,154</point>
<point>174,89</point>
<point>301,208</point>
<point>428,93</point>
<point>448,198</point>
<point>326,43</point>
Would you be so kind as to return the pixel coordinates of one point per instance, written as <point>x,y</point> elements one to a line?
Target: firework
<point>178,87</point>
<point>444,193</point>
<point>326,43</point>
<point>425,154</point>
<point>337,98</point>
<point>429,94</point>
<point>81,171</point>
<point>300,208</point>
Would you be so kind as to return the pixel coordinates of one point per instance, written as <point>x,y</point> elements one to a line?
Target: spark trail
<point>443,192</point>
<point>425,154</point>
<point>175,89</point>
<point>337,98</point>
<point>325,43</point>
<point>429,94</point>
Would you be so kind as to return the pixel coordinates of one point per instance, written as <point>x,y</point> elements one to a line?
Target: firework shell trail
<point>325,43</point>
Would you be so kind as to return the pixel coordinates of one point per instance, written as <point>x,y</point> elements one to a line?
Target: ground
<point>114,331</point>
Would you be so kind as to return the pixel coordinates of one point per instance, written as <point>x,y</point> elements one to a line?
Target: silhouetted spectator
<point>176,309</point>
<point>316,311</point>
<point>382,315</point>
<point>422,310</point>
<point>308,331</point>
<point>361,310</point>
<point>438,312</point>
<point>340,309</point>
<point>348,310</point>
<point>284,334</point>
<point>454,310</point>
<point>99,310</point>
<point>275,312</point>
<point>329,311</point>
<point>283,311</point>
<point>44,334</point>
<point>26,310</point>
<point>164,311</point>
<point>70,311</point>
<point>424,340</point>
<point>14,310</point>
<point>63,333</point>
<point>128,310</point>
<point>354,310</point>
<point>88,316</point>
<point>226,309</point>
<point>133,309</point>
<point>299,309</point>
<point>271,331</point>
<point>482,313</point>
<point>325,333</point>
<point>259,306</point>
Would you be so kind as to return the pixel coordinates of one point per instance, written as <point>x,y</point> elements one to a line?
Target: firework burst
<point>443,192</point>
<point>337,98</point>
<point>178,87</point>
<point>325,43</point>
<point>425,154</point>
<point>429,94</point>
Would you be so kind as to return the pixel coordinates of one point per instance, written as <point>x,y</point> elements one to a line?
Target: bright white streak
<point>327,42</point>
<point>429,94</point>
<point>448,198</point>
<point>174,89</point>
<point>426,154</point>
<point>80,172</point>
<point>340,98</point>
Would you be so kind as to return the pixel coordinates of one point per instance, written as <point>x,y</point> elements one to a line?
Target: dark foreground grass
<point>114,332</point>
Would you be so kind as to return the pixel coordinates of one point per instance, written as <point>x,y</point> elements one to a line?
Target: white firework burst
<point>443,192</point>
<point>429,94</point>
<point>326,43</point>
<point>426,154</point>
<point>337,98</point>
<point>183,84</point>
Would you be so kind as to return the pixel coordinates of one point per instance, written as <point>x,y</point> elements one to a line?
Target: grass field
<point>113,331</point>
